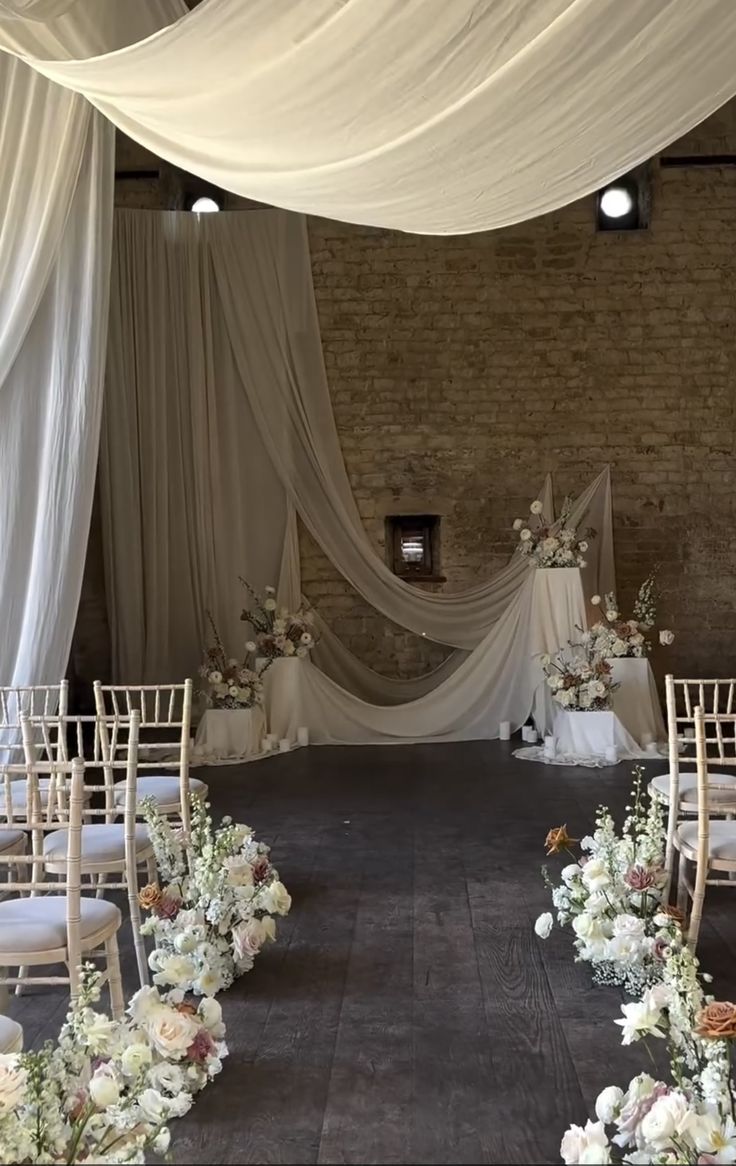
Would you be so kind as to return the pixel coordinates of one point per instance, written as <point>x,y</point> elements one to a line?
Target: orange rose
<point>149,896</point>
<point>718,1021</point>
<point>674,913</point>
<point>558,839</point>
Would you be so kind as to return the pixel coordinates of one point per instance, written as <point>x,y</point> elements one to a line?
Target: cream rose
<point>171,1032</point>
<point>276,899</point>
<point>248,939</point>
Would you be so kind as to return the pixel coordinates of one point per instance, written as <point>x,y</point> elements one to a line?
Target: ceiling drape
<point>421,115</point>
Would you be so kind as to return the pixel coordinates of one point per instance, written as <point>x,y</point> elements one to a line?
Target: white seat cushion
<point>11,1035</point>
<point>13,841</point>
<point>722,846</point>
<point>689,789</point>
<point>100,843</point>
<point>19,796</point>
<point>164,790</point>
<point>34,925</point>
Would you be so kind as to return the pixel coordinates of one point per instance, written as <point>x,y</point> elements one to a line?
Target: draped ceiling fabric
<point>421,115</point>
<point>56,192</point>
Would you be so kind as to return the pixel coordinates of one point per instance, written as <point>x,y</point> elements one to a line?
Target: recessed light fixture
<point>204,205</point>
<point>623,205</point>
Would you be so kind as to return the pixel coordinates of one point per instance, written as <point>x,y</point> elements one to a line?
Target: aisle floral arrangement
<point>278,631</point>
<point>231,684</point>
<point>552,544</point>
<point>216,907</point>
<point>612,895</point>
<point>578,678</point>
<point>689,1120</point>
<point>618,637</point>
<point>105,1091</point>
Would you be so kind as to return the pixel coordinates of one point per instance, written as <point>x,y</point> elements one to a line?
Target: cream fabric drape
<point>189,498</point>
<point>422,115</point>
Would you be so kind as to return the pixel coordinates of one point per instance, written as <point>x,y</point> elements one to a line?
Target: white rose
<point>669,1117</point>
<point>104,1087</point>
<point>608,1104</point>
<point>543,925</point>
<point>595,600</point>
<point>270,605</point>
<point>518,523</point>
<point>210,1012</point>
<point>666,637</point>
<point>536,507</point>
<point>153,1106</point>
<point>135,1058</point>
<point>570,873</point>
<point>588,928</point>
<point>12,1082</point>
<point>276,899</point>
<point>144,1003</point>
<point>178,970</point>
<point>171,1032</point>
<point>630,925</point>
<point>525,535</point>
<point>588,1145</point>
<point>595,874</point>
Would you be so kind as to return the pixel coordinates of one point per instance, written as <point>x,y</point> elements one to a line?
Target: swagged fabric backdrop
<point>590,86</point>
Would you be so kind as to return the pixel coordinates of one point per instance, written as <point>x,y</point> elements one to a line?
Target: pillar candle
<point>302,735</point>
<point>284,745</point>
<point>504,730</point>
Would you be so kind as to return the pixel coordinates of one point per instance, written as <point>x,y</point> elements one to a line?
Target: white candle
<point>302,735</point>
<point>271,740</point>
<point>549,747</point>
<point>504,730</point>
<point>284,745</point>
<point>532,735</point>
<point>611,755</point>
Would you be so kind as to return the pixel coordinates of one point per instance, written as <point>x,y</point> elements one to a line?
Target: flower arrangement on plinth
<point>689,1120</point>
<point>579,679</point>
<point>552,544</point>
<point>612,895</point>
<point>105,1091</point>
<point>278,631</point>
<point>618,637</point>
<point>231,684</point>
<point>216,907</point>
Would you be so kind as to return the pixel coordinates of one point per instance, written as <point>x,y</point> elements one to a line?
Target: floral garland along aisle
<point>107,1089</point>
<point>613,898</point>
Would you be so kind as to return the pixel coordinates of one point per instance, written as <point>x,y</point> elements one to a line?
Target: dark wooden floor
<point>408,1013</point>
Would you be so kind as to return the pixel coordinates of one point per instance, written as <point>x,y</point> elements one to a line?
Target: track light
<point>204,205</point>
<point>623,205</point>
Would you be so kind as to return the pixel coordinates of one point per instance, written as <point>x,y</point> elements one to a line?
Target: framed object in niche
<point>413,546</point>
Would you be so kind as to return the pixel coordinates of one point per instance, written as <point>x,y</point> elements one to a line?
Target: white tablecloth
<point>282,697</point>
<point>229,735</point>
<point>585,737</point>
<point>636,701</point>
<point>559,611</point>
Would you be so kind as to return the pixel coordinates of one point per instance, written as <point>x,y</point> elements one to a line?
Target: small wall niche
<point>413,547</point>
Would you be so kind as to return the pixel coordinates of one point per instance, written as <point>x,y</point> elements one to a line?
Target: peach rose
<point>149,896</point>
<point>718,1021</point>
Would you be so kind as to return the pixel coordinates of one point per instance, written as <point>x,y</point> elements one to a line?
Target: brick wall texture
<point>463,369</point>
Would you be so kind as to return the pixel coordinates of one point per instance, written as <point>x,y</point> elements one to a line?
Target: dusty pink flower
<point>167,907</point>
<point>261,868</point>
<point>201,1047</point>
<point>639,878</point>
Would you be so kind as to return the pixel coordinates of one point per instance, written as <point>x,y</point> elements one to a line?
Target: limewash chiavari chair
<point>166,717</point>
<point>678,788</point>
<point>50,922</point>
<point>709,843</point>
<point>34,701</point>
<point>111,851</point>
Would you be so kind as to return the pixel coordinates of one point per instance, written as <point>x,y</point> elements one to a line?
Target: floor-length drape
<point>424,115</point>
<point>189,498</point>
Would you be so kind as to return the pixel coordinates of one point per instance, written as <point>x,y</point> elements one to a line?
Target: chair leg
<point>151,870</point>
<point>22,974</point>
<point>693,928</point>
<point>139,945</point>
<point>114,978</point>
<point>101,880</point>
<point>682,891</point>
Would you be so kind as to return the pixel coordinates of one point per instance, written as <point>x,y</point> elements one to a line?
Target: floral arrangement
<point>618,637</point>
<point>691,1119</point>
<point>578,678</point>
<point>552,544</point>
<point>612,895</point>
<point>231,683</point>
<point>278,632</point>
<point>216,908</point>
<point>106,1089</point>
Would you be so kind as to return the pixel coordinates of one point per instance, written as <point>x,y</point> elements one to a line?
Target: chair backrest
<point>717,699</point>
<point>16,701</point>
<point>36,822</point>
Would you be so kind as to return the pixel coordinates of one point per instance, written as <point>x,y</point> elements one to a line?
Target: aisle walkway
<point>408,1012</point>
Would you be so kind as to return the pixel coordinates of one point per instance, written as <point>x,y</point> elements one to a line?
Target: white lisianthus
<point>518,523</point>
<point>208,983</point>
<point>270,605</point>
<point>239,872</point>
<point>13,1081</point>
<point>608,1104</point>
<point>144,1003</point>
<point>167,1078</point>
<point>104,1086</point>
<point>629,925</point>
<point>641,1018</point>
<point>536,507</point>
<point>666,637</point>
<point>135,1058</point>
<point>585,1145</point>
<point>543,925</point>
<point>569,873</point>
<point>153,1106</point>
<point>595,874</point>
<point>525,535</point>
<point>176,969</point>
<point>215,677</point>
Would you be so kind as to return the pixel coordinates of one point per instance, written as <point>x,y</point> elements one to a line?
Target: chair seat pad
<point>722,846</point>
<point>689,789</point>
<point>13,841</point>
<point>100,843</point>
<point>164,790</point>
<point>11,1035</point>
<point>34,925</point>
<point>19,796</point>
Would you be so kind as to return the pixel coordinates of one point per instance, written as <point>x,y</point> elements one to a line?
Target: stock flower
<point>558,839</point>
<point>99,1031</point>
<point>12,1081</point>
<point>543,925</point>
<point>717,1021</point>
<point>149,896</point>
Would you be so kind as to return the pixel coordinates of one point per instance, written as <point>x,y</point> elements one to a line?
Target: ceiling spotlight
<point>204,205</point>
<point>623,205</point>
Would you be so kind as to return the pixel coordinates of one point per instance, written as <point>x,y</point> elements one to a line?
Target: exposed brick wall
<point>462,369</point>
